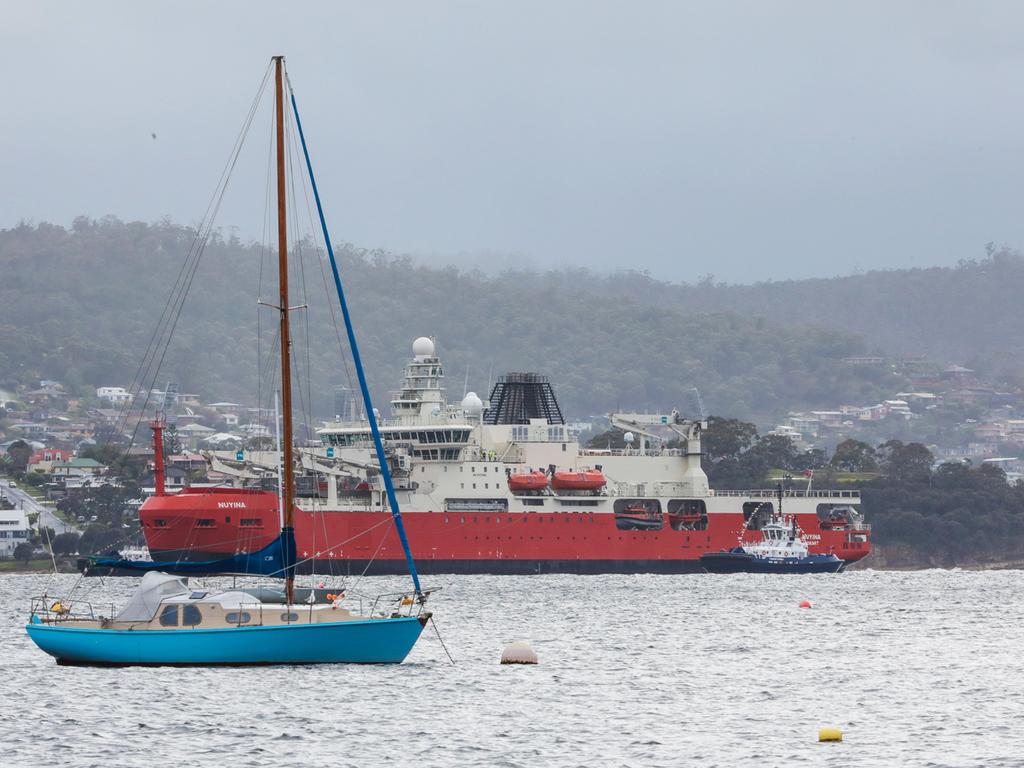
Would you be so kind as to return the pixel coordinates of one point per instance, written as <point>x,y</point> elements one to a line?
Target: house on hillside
<point>76,468</point>
<point>191,435</point>
<point>116,395</point>
<point>42,461</point>
<point>14,530</point>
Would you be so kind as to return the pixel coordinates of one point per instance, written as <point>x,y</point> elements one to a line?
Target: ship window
<point>285,617</point>
<point>243,617</point>
<point>160,523</point>
<point>688,514</point>
<point>227,519</point>
<point>250,521</point>
<point>756,514</point>
<point>206,522</point>
<point>169,616</point>
<point>533,502</point>
<point>191,616</point>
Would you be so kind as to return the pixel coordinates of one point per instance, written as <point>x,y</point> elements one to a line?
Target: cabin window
<point>532,502</point>
<point>206,522</point>
<point>160,523</point>
<point>191,615</point>
<point>243,617</point>
<point>286,617</point>
<point>169,616</point>
<point>250,521</point>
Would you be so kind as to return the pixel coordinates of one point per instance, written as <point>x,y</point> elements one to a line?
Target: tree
<point>610,438</point>
<point>172,441</point>
<point>773,452</point>
<point>23,552</point>
<point>726,438</point>
<point>44,536</point>
<point>813,459</point>
<point>910,461</point>
<point>105,454</point>
<point>66,543</point>
<point>98,539</point>
<point>854,456</point>
<point>20,452</point>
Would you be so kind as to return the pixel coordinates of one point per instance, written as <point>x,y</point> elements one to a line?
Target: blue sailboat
<point>167,622</point>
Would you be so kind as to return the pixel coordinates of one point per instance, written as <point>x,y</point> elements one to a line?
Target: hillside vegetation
<point>970,314</point>
<point>80,305</point>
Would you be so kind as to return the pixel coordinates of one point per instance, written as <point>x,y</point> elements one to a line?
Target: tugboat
<point>782,549</point>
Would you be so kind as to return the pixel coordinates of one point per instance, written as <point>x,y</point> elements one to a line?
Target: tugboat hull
<point>743,562</point>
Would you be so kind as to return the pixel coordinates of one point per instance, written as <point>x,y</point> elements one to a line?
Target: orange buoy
<point>805,603</point>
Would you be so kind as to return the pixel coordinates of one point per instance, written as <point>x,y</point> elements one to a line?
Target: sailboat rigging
<point>166,622</point>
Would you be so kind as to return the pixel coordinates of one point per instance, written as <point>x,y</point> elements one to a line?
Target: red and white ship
<point>490,488</point>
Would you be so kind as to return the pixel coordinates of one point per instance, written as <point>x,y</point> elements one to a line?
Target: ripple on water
<point>916,668</point>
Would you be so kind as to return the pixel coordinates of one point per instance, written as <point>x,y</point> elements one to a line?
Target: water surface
<point>921,668</point>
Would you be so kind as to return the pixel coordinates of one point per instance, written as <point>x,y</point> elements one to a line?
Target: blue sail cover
<point>275,559</point>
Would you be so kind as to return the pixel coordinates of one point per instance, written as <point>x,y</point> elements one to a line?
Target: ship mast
<point>288,497</point>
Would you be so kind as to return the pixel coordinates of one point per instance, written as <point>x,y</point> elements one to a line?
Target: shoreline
<point>867,564</point>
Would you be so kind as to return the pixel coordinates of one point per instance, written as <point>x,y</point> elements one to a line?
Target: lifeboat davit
<point>531,481</point>
<point>588,480</point>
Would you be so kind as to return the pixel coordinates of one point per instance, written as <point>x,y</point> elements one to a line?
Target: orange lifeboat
<point>588,480</point>
<point>531,481</point>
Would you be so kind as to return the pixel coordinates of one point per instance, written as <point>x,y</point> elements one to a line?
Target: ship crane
<point>647,424</point>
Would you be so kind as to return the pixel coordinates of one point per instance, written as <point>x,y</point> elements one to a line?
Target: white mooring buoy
<point>518,652</point>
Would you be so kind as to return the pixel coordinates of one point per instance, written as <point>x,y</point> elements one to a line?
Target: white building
<point>14,530</point>
<point>114,395</point>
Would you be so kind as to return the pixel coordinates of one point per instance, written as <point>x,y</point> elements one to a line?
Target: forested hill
<point>971,314</point>
<point>80,305</point>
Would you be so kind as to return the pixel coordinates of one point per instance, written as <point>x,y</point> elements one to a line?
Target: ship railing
<point>771,493</point>
<point>52,610</point>
<point>393,605</point>
<point>632,452</point>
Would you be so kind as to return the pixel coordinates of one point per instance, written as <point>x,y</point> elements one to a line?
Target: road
<point>23,500</point>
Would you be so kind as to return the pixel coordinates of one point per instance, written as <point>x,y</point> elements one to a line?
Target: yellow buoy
<point>830,734</point>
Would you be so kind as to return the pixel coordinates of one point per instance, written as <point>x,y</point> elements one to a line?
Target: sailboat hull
<point>377,641</point>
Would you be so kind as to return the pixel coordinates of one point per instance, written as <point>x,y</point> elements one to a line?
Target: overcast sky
<point>760,140</point>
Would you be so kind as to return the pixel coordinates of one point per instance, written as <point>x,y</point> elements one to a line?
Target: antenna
<point>465,384</point>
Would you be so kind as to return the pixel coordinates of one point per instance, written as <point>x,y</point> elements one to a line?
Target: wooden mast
<point>288,497</point>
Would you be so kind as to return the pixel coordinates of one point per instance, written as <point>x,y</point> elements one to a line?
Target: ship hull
<point>465,542</point>
<point>737,562</point>
<point>379,641</point>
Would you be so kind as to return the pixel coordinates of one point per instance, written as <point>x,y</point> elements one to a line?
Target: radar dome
<point>628,438</point>
<point>423,347</point>
<point>472,405</point>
